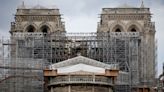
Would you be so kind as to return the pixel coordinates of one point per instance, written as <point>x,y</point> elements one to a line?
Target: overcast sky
<point>83,15</point>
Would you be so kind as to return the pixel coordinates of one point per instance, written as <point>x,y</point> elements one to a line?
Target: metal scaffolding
<point>19,74</point>
<point>25,55</point>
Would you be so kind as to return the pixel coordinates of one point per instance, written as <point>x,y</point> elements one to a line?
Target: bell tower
<point>128,20</point>
<point>37,19</point>
<point>33,31</point>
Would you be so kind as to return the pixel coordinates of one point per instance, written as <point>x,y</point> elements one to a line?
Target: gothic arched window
<point>133,30</point>
<point>45,29</point>
<point>117,30</point>
<point>30,28</point>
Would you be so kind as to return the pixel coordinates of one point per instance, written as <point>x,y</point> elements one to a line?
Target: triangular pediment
<point>80,68</point>
<point>82,60</point>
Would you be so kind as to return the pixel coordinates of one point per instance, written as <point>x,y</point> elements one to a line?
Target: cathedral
<point>119,57</point>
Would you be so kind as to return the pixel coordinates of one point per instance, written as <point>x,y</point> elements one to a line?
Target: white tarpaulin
<point>80,67</point>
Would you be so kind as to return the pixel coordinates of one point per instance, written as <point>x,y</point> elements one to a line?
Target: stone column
<point>69,88</point>
<point>93,88</point>
<point>110,90</point>
<point>51,89</point>
<point>93,77</point>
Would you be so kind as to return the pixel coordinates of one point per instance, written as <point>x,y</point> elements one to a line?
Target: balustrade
<point>81,79</point>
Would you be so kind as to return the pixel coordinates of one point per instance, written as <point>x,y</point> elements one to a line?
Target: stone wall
<point>81,88</point>
<point>60,89</point>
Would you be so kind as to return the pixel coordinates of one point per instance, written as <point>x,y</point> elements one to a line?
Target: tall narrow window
<point>30,28</point>
<point>118,30</point>
<point>133,30</point>
<point>45,29</point>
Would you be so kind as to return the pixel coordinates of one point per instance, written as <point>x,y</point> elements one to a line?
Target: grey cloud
<point>7,9</point>
<point>158,12</point>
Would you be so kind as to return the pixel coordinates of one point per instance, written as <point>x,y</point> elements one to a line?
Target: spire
<point>22,2</point>
<point>22,6</point>
<point>142,4</point>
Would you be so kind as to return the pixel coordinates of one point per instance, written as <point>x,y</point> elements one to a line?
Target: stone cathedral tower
<point>127,19</point>
<point>37,19</point>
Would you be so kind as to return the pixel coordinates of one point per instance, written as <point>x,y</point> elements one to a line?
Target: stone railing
<point>35,11</point>
<point>125,10</point>
<point>81,79</point>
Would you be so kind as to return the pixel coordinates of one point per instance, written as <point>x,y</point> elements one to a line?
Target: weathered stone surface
<point>82,88</point>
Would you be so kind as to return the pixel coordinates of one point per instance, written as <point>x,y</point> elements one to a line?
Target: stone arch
<point>117,26</point>
<point>134,27</point>
<point>45,27</point>
<point>30,27</point>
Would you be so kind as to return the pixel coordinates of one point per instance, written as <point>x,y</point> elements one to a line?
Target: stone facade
<point>133,19</point>
<point>122,23</point>
<point>37,19</point>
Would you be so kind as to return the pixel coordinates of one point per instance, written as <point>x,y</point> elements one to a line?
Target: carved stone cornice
<point>35,18</point>
<point>125,17</point>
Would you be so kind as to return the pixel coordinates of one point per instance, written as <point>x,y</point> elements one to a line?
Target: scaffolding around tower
<point>25,56</point>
